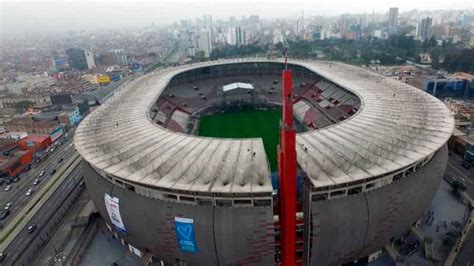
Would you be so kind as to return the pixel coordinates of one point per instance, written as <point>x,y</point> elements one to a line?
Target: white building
<point>236,36</point>
<point>278,37</point>
<point>90,58</point>
<point>120,56</point>
<point>205,42</point>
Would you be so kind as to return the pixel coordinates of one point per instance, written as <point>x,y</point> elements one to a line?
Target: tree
<point>21,106</point>
<point>458,187</point>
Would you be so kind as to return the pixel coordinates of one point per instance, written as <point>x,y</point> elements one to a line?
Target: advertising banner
<point>185,234</point>
<point>112,205</point>
<point>56,134</point>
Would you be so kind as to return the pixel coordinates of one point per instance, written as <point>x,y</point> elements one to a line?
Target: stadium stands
<point>318,103</point>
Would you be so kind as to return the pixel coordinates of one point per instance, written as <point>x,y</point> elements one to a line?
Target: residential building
<point>205,42</point>
<point>424,29</point>
<point>120,56</point>
<point>393,17</point>
<point>236,36</point>
<point>70,117</point>
<point>77,58</point>
<point>90,58</point>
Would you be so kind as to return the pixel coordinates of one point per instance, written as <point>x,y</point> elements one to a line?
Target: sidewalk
<point>105,250</point>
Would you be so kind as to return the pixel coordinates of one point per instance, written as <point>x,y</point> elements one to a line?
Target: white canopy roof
<point>396,126</point>
<point>237,85</point>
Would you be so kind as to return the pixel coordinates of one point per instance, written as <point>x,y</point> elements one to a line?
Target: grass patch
<point>246,124</point>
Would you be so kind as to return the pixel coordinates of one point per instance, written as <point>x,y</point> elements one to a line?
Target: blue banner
<point>185,234</point>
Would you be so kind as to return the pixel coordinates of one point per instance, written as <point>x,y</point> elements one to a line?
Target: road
<point>466,254</point>
<point>455,171</point>
<point>17,193</point>
<point>27,244</point>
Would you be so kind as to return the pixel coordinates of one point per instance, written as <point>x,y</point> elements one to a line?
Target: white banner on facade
<point>112,205</point>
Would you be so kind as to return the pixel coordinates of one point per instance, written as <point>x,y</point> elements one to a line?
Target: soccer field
<point>245,124</point>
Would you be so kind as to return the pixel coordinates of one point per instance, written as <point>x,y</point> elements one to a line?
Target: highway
<point>17,193</point>
<point>27,244</point>
<point>455,171</point>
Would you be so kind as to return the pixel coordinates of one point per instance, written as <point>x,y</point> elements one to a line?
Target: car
<point>8,205</point>
<point>466,165</point>
<point>29,192</point>
<point>31,228</point>
<point>9,181</point>
<point>36,182</point>
<point>16,179</point>
<point>42,173</point>
<point>8,188</point>
<point>4,214</point>
<point>60,160</point>
<point>2,256</point>
<point>53,172</point>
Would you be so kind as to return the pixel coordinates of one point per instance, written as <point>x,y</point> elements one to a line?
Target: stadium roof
<point>237,85</point>
<point>396,126</point>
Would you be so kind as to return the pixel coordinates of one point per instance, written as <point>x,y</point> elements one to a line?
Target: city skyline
<point>73,16</point>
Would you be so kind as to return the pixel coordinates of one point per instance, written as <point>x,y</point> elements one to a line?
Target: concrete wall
<point>352,227</point>
<point>224,235</point>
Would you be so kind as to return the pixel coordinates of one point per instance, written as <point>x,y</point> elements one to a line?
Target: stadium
<point>181,163</point>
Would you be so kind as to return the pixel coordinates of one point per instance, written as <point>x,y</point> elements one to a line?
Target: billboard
<point>103,79</point>
<point>56,134</point>
<point>113,209</point>
<point>185,234</point>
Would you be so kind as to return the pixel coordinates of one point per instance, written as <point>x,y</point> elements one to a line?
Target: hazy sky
<point>40,16</point>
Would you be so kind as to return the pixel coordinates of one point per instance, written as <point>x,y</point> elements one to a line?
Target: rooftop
<point>396,126</point>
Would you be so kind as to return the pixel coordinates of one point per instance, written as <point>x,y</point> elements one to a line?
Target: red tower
<point>287,173</point>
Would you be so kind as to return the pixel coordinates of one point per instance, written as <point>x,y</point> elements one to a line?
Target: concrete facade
<point>367,178</point>
<point>348,228</point>
<point>224,235</point>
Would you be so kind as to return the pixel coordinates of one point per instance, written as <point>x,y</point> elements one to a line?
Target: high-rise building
<point>205,43</point>
<point>236,36</point>
<point>120,56</point>
<point>393,17</point>
<point>424,29</point>
<point>90,58</point>
<point>77,58</point>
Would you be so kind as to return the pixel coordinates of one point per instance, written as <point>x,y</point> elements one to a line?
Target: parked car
<point>29,192</point>
<point>53,172</point>
<point>16,179</point>
<point>8,188</point>
<point>42,173</point>
<point>31,228</point>
<point>60,160</point>
<point>36,182</point>
<point>466,165</point>
<point>4,214</point>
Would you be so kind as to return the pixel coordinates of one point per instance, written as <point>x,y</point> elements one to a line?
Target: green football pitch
<point>245,124</point>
